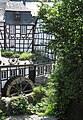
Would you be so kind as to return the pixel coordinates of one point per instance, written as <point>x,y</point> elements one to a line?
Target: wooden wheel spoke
<point>13,94</point>
<point>15,87</point>
<point>27,91</point>
<point>20,86</point>
<point>25,86</point>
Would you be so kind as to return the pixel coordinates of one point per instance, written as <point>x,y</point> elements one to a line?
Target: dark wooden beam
<point>4,36</point>
<point>33,32</point>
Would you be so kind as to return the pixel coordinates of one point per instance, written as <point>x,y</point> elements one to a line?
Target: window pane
<point>12,29</point>
<point>23,29</point>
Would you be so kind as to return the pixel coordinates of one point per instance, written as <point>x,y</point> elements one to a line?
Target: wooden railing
<point>31,71</point>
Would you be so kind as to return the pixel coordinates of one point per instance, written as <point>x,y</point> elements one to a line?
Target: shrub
<point>39,89</point>
<point>20,106</point>
<point>40,107</point>
<point>7,53</point>
<point>2,115</point>
<point>25,56</point>
<point>39,93</point>
<point>40,99</point>
<point>16,55</point>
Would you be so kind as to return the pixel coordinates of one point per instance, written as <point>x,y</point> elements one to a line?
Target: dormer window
<point>17,17</point>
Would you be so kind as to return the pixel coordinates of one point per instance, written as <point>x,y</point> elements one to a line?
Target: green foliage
<point>23,106</point>
<point>40,107</point>
<point>45,101</point>
<point>16,55</point>
<point>20,106</point>
<point>2,115</point>
<point>64,20</point>
<point>26,56</point>
<point>39,93</point>
<point>39,89</point>
<point>7,53</point>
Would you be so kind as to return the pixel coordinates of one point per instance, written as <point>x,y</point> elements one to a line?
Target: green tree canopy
<point>65,21</point>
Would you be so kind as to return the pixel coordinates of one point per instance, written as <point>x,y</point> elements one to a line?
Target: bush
<point>7,53</point>
<point>2,115</point>
<point>20,106</point>
<point>26,56</point>
<point>40,107</point>
<point>34,103</point>
<point>39,93</point>
<point>37,90</point>
<point>41,100</point>
<point>40,89</point>
<point>16,55</point>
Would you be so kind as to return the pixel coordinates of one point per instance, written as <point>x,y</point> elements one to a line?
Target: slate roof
<point>16,6</point>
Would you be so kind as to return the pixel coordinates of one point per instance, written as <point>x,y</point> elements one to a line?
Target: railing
<point>31,71</point>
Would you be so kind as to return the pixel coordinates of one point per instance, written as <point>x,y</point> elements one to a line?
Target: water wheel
<point>19,85</point>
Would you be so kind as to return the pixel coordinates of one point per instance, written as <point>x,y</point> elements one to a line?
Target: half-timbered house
<point>20,31</point>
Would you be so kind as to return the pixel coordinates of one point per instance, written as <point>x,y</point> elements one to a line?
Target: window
<point>12,43</point>
<point>23,29</point>
<point>17,17</point>
<point>41,70</point>
<point>21,71</point>
<point>12,73</point>
<point>48,69</point>
<point>3,74</point>
<point>12,29</point>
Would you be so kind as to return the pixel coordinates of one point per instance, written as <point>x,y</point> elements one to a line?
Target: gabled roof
<point>19,6</point>
<point>16,6</point>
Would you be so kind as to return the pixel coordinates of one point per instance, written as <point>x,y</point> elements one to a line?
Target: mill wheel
<point>18,86</point>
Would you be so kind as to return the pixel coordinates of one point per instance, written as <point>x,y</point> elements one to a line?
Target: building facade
<point>20,29</point>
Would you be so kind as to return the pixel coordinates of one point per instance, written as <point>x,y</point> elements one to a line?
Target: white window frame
<point>12,43</point>
<point>21,71</point>
<point>41,70</point>
<point>4,75</point>
<point>23,29</point>
<point>48,69</point>
<point>12,72</point>
<point>12,29</point>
